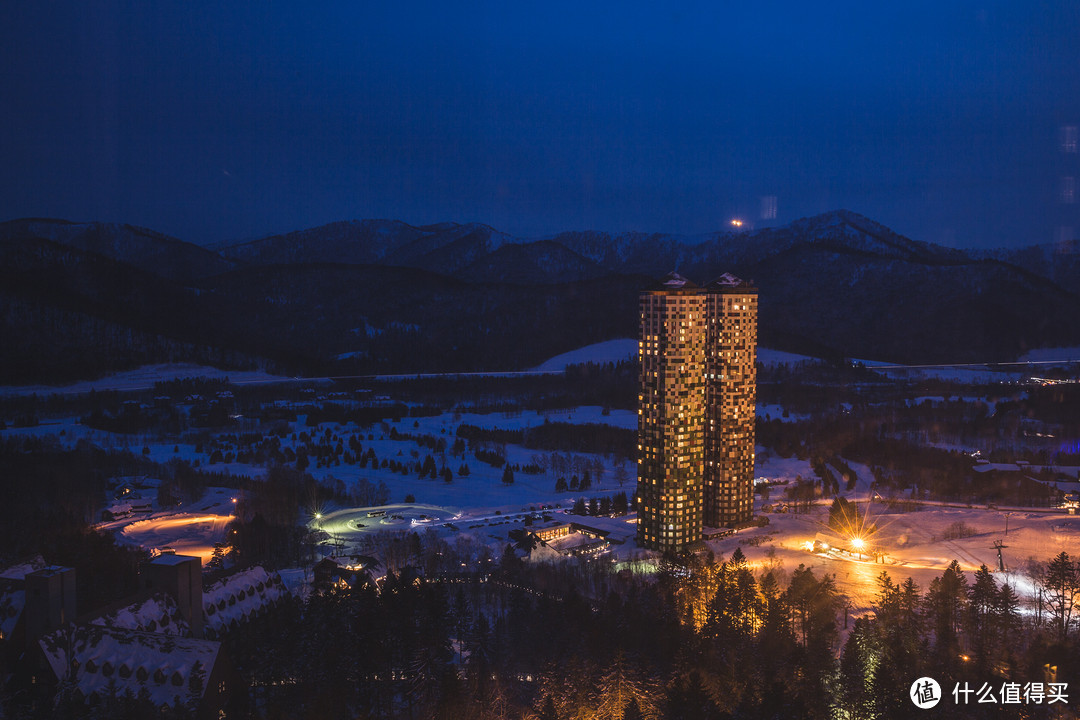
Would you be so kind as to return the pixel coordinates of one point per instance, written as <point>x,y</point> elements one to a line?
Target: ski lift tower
<point>1000,545</point>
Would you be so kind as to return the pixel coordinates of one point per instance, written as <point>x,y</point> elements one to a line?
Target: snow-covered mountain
<point>448,248</point>
<point>467,296</point>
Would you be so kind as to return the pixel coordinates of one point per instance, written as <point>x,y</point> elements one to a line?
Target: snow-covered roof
<point>728,280</point>
<point>20,570</point>
<point>157,613</point>
<point>675,280</point>
<point>98,659</point>
<point>239,597</point>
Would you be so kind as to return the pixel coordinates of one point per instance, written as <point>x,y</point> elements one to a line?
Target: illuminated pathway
<point>352,522</point>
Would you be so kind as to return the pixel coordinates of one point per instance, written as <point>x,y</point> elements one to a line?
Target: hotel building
<point>695,409</point>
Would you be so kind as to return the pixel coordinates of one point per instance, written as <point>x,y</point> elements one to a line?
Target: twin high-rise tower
<point>695,409</point>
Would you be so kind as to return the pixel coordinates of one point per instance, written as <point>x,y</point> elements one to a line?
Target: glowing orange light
<point>736,222</point>
<point>858,543</point>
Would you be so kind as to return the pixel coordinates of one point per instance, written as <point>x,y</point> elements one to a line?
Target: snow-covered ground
<point>771,358</point>
<point>777,412</point>
<point>972,374</point>
<point>1069,354</point>
<point>143,378</point>
<point>610,351</point>
<point>913,544</point>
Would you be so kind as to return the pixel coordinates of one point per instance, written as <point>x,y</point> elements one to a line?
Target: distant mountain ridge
<point>384,296</point>
<point>391,242</point>
<point>145,249</point>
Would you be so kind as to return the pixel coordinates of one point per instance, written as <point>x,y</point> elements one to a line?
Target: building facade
<point>730,400</point>
<point>695,409</point>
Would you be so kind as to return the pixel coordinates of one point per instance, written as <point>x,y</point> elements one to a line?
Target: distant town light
<point>737,222</point>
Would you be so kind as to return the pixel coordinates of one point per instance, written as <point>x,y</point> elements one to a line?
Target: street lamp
<point>859,544</point>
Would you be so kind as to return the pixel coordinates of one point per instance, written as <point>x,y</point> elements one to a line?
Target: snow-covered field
<point>482,506</point>
<point>616,350</point>
<point>195,529</point>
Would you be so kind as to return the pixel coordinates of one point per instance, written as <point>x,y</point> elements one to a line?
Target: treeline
<point>526,643</point>
<point>611,385</point>
<point>898,464</point>
<point>572,437</point>
<point>603,506</point>
<point>702,639</point>
<point>66,344</point>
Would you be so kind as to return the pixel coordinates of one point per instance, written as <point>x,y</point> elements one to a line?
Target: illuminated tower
<point>696,399</point>
<point>671,414</point>
<point>730,392</point>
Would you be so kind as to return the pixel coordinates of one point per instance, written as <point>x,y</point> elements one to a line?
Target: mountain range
<point>358,297</point>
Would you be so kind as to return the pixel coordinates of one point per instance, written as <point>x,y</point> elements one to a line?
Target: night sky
<point>949,122</point>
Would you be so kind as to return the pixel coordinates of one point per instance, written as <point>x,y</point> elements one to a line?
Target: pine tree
<point>945,605</point>
<point>548,710</point>
<point>1062,585</point>
<point>619,505</point>
<point>196,683</point>
<point>981,626</point>
<point>621,684</point>
<point>858,664</point>
<point>1007,617</point>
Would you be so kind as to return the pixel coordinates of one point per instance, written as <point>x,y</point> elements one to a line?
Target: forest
<point>700,638</point>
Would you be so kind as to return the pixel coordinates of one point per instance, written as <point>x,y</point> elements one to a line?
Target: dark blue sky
<point>213,121</point>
